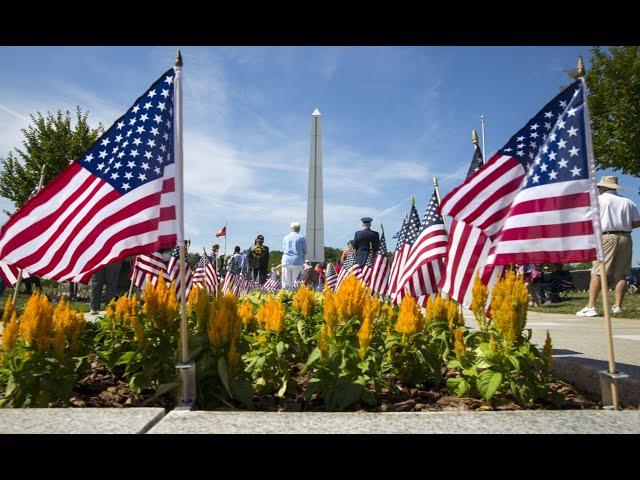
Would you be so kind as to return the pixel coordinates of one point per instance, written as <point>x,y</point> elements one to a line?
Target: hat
<point>609,182</point>
<point>260,237</point>
<point>366,219</point>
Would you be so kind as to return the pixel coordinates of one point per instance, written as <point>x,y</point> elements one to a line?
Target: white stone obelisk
<point>315,215</point>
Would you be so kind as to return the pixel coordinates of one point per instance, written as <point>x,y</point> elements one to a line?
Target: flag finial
<point>474,137</point>
<point>435,182</point>
<point>179,59</point>
<point>581,71</point>
<point>413,200</point>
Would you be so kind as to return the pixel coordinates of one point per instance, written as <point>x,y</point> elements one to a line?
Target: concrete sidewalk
<point>580,349</point>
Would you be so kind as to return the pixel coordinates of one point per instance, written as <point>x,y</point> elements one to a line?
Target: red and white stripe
<point>397,267</point>
<point>380,274</point>
<point>207,276</point>
<point>484,199</point>
<point>79,223</point>
<point>148,266</point>
<point>9,273</point>
<point>355,270</point>
<point>173,275</point>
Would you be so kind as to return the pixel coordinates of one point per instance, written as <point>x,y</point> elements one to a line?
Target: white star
<point>140,129</point>
<point>537,160</point>
<point>543,167</point>
<point>572,112</point>
<point>536,178</point>
<point>159,159</point>
<point>168,80</point>
<point>151,142</point>
<point>520,146</point>
<point>157,119</point>
<point>161,106</point>
<point>115,150</point>
<point>128,175</point>
<point>137,141</point>
<point>519,139</point>
<point>563,163</point>
<point>152,93</point>
<point>533,144</point>
<point>563,104</point>
<point>134,153</point>
<point>562,143</point>
<point>531,154</point>
<point>126,142</point>
<point>144,117</point>
<point>573,131</point>
<point>145,165</point>
<point>547,126</point>
<point>120,125</point>
<point>534,126</point>
<point>129,133</point>
<point>533,135</point>
<point>114,175</point>
<point>147,105</point>
<point>575,171</point>
<point>165,93</point>
<point>142,177</point>
<point>545,149</point>
<point>552,156</point>
<point>553,175</point>
<point>89,157</point>
<point>120,154</point>
<point>147,155</point>
<point>117,165</point>
<point>103,154</point>
<point>561,124</point>
<point>131,164</point>
<point>163,148</point>
<point>111,160</point>
<point>548,115</point>
<point>126,186</point>
<point>105,142</point>
<point>136,108</point>
<point>100,166</point>
<point>154,131</point>
<point>506,150</point>
<point>552,137</point>
<point>132,121</point>
<point>574,151</point>
<point>119,138</point>
<point>519,152</point>
<point>157,170</point>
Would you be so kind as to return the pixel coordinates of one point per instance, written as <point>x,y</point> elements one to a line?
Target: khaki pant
<point>617,255</point>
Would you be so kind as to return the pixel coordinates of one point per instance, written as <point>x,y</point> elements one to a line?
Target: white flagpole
<point>187,370</point>
<point>599,242</point>
<point>484,152</point>
<point>17,287</point>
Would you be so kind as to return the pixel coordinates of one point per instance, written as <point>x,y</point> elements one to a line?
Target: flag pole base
<point>608,381</point>
<point>187,386</point>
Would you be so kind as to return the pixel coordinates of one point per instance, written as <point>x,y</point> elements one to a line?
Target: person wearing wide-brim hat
<point>365,241</point>
<point>618,216</point>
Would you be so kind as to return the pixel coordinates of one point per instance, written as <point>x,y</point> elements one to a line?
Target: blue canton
<point>431,215</point>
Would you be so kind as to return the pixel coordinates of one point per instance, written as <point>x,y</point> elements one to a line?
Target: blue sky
<point>393,117</point>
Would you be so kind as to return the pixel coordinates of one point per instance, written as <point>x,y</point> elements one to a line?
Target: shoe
<point>616,310</point>
<point>94,312</point>
<point>587,312</point>
<point>547,303</point>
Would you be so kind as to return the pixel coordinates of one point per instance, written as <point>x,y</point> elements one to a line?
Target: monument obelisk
<point>315,215</point>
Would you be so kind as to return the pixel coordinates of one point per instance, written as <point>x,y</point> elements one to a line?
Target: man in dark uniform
<point>258,257</point>
<point>366,240</point>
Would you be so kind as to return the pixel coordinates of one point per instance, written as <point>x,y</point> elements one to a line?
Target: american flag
<point>205,274</point>
<point>410,232</point>
<point>395,264</point>
<point>331,276</point>
<point>114,201</point>
<point>151,265</point>
<point>367,268</point>
<point>535,197</point>
<point>173,272</point>
<point>9,273</point>
<point>467,252</point>
<point>380,272</point>
<point>272,284</point>
<point>423,268</point>
<point>348,267</point>
<point>232,279</point>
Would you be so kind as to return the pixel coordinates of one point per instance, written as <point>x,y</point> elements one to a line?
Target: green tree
<point>275,258</point>
<point>52,140</point>
<point>613,79</point>
<point>332,255</point>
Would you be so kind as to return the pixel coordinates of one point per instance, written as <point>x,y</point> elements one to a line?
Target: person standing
<point>365,240</point>
<point>107,276</point>
<point>237,261</point>
<point>294,251</point>
<point>618,216</point>
<point>258,259</point>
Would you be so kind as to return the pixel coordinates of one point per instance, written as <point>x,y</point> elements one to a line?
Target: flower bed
<point>346,350</point>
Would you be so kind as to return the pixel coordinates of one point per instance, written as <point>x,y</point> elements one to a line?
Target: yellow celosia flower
<point>68,326</point>
<point>410,319</point>
<point>323,344</point>
<point>304,301</point>
<point>364,336</point>
<point>271,316</point>
<point>234,358</point>
<point>10,333</point>
<point>479,295</point>
<point>36,323</point>
<point>245,311</point>
<point>9,309</point>
<point>330,312</point>
<point>224,322</point>
<point>350,297</point>
<point>454,315</point>
<point>547,351</point>
<point>459,345</point>
<point>160,303</point>
<point>509,306</point>
<point>198,301</point>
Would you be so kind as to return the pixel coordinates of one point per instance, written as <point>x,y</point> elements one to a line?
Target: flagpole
<point>599,244</point>
<point>187,370</point>
<point>17,287</point>
<point>484,152</point>
<point>437,189</point>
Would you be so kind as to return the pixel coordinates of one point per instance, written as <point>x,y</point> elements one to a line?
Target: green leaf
<point>348,394</point>
<point>283,388</point>
<point>280,348</point>
<point>223,372</point>
<point>314,356</point>
<point>243,391</point>
<point>126,358</point>
<point>458,385</point>
<point>488,383</point>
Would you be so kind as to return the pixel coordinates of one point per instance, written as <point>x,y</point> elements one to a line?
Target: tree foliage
<point>53,140</point>
<point>613,79</point>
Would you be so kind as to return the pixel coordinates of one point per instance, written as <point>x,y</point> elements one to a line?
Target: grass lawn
<point>23,297</point>
<point>577,301</point>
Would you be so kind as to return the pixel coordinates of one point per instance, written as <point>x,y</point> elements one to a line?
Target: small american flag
<point>423,267</point>
<point>116,200</point>
<point>380,272</point>
<point>148,266</point>
<point>367,268</point>
<point>347,268</point>
<point>331,276</point>
<point>173,272</point>
<point>205,274</point>
<point>232,279</point>
<point>272,284</point>
<point>411,230</point>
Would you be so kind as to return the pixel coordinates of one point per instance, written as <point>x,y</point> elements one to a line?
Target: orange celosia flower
<point>459,345</point>
<point>224,322</point>
<point>245,311</point>
<point>547,351</point>
<point>349,298</point>
<point>304,301</point>
<point>509,304</point>
<point>479,295</point>
<point>68,326</point>
<point>36,323</point>
<point>330,312</point>
<point>198,301</point>
<point>271,316</point>
<point>410,319</point>
<point>9,309</point>
<point>10,333</point>
<point>161,303</point>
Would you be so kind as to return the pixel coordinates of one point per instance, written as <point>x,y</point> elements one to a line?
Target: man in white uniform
<point>618,216</point>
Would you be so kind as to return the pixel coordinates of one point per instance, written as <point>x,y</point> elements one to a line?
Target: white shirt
<point>616,212</point>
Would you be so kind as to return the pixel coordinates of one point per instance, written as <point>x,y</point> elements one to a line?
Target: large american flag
<point>331,276</point>
<point>205,274</point>
<point>173,272</point>
<point>9,273</point>
<point>151,265</point>
<point>423,268</point>
<point>467,252</point>
<point>411,231</point>
<point>380,271</point>
<point>116,200</point>
<point>535,198</point>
